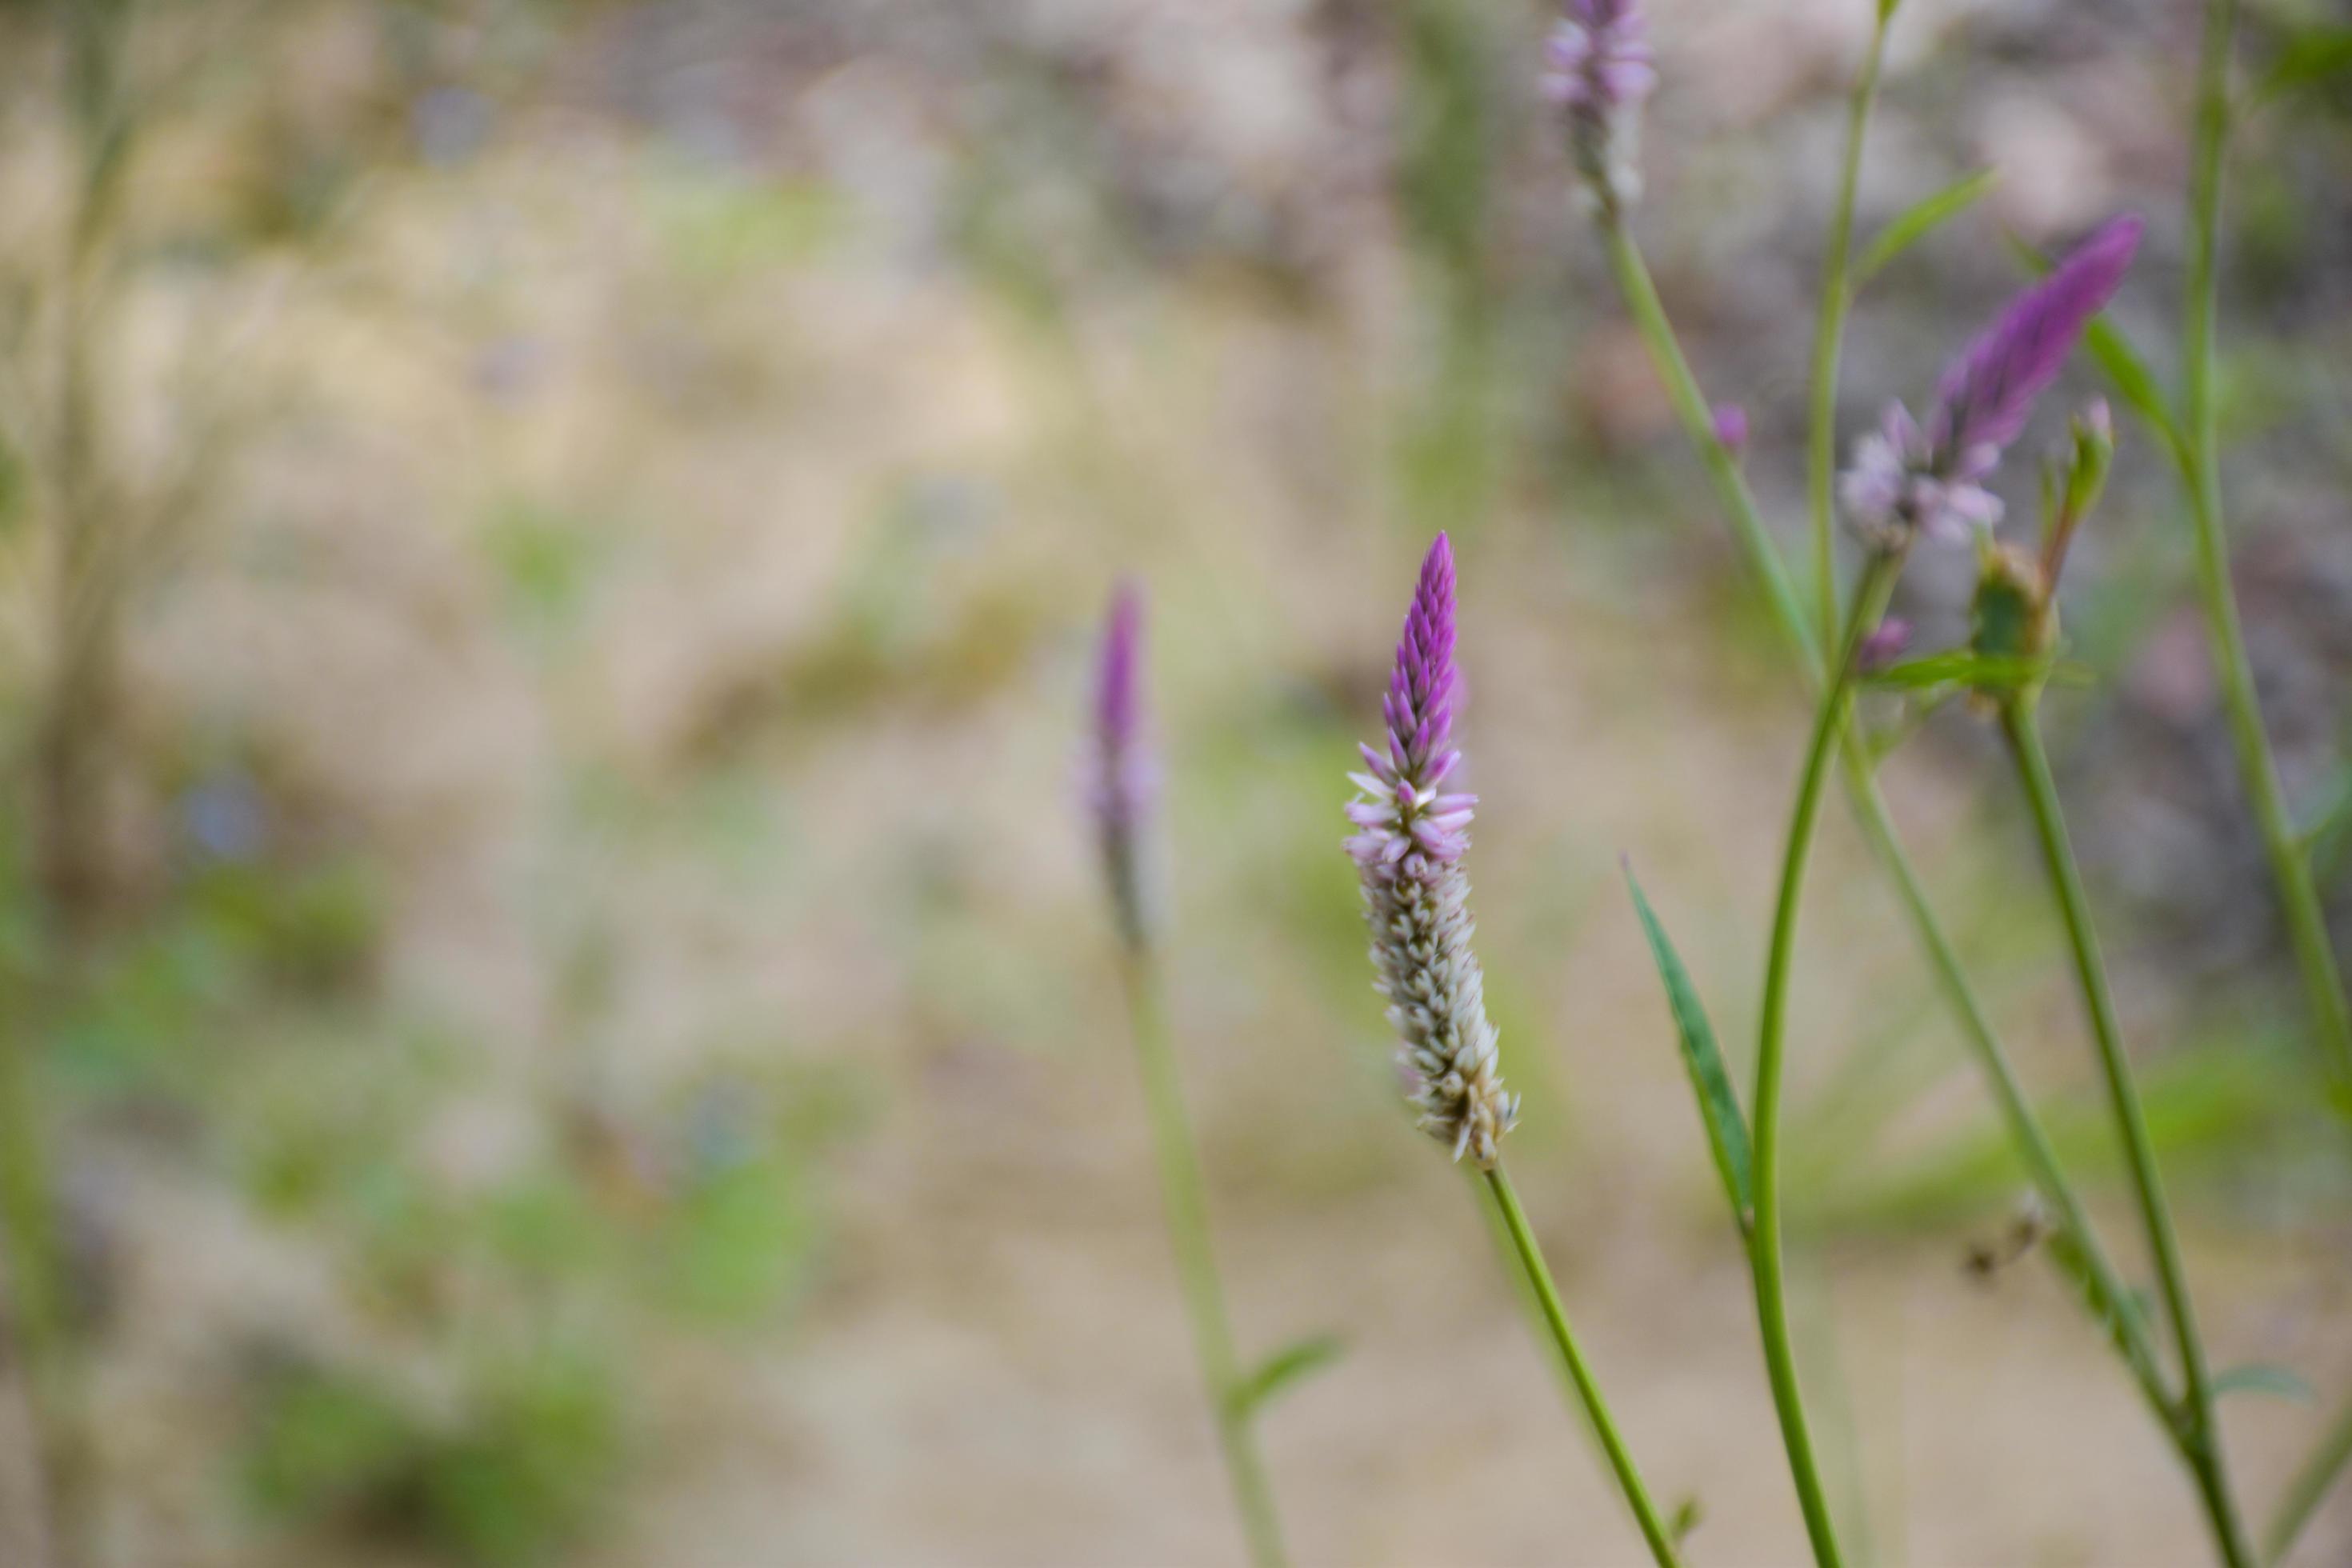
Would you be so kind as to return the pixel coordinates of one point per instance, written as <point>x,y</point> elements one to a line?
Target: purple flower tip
<point>1731,427</point>
<point>1598,67</point>
<point>1120,769</point>
<point>1906,480</point>
<point>1984,397</point>
<point>1117,709</point>
<point>1883,645</point>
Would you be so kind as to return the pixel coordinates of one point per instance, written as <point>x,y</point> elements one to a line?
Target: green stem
<point>1629,1480</point>
<point>2200,1439</point>
<point>2298,897</point>
<point>1184,1193</point>
<point>1829,332</point>
<point>2329,1459</point>
<point>1766,1250</point>
<point>1648,314</point>
<point>2102,1282</point>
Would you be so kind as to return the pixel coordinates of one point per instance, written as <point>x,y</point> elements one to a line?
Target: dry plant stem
<point>1515,1219</point>
<point>1184,1195</point>
<point>1767,1261</point>
<point>1829,332</point>
<point>2200,1437</point>
<point>2329,1458</point>
<point>2110,1297</point>
<point>2298,897</point>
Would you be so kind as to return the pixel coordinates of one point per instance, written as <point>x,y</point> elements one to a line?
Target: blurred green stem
<point>1829,331</point>
<point>2200,1437</point>
<point>2109,1297</point>
<point>1766,1250</point>
<point>1184,1194</point>
<point>1515,1219</point>
<point>2329,1458</point>
<point>2298,896</point>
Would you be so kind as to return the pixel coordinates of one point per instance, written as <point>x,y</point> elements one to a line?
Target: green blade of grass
<point>1920,219</point>
<point>1726,1127</point>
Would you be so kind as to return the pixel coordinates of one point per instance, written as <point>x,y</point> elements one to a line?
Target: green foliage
<point>514,1471</point>
<point>1282,1371</point>
<point>1718,1103</point>
<point>1919,220</point>
<point>2262,1377</point>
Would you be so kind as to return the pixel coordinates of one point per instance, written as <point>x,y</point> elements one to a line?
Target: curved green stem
<point>1629,1480</point>
<point>2329,1459</point>
<point>2298,897</point>
<point>1829,332</point>
<point>1184,1193</point>
<point>1765,1247</point>
<point>2200,1439</point>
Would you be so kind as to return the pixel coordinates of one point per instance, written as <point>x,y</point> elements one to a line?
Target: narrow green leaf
<point>2126,367</point>
<point>1959,667</point>
<point>1727,1129</point>
<point>1294,1361</point>
<point>1688,1515</point>
<point>1919,220</point>
<point>2135,384</point>
<point>2261,1377</point>
<point>2311,59</point>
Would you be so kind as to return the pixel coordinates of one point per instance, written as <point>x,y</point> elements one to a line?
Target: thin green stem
<point>1184,1195</point>
<point>1766,1250</point>
<point>2330,1458</point>
<point>2102,1282</point>
<point>1829,332</point>
<point>1648,314</point>
<point>2200,1438</point>
<point>2298,897</point>
<point>1629,1480</point>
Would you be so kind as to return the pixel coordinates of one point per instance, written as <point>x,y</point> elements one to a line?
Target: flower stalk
<point>1767,1258</point>
<point>1410,833</point>
<point>2299,904</point>
<point>1828,329</point>
<point>2197,1433</point>
<point>1119,796</point>
<point>2103,1283</point>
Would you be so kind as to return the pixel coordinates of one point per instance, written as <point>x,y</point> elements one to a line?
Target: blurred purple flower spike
<point>1598,67</point>
<point>1121,776</point>
<point>1408,847</point>
<point>1906,479</point>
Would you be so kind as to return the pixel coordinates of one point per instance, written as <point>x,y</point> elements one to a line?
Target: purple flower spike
<point>1597,67</point>
<point>1906,480</point>
<point>1984,397</point>
<point>1120,782</point>
<point>1408,849</point>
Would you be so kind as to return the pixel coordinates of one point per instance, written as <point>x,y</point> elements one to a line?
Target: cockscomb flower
<point>1120,777</point>
<point>1408,846</point>
<point>1597,67</point>
<point>1908,478</point>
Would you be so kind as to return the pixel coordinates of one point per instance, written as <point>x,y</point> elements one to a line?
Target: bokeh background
<point>548,556</point>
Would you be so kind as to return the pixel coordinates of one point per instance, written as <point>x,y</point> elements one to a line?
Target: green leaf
<point>1688,1515</point>
<point>2261,1377</point>
<point>1919,220</point>
<point>1727,1129</point>
<point>2126,367</point>
<point>2309,60</point>
<point>2135,384</point>
<point>1960,667</point>
<point>1299,1359</point>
